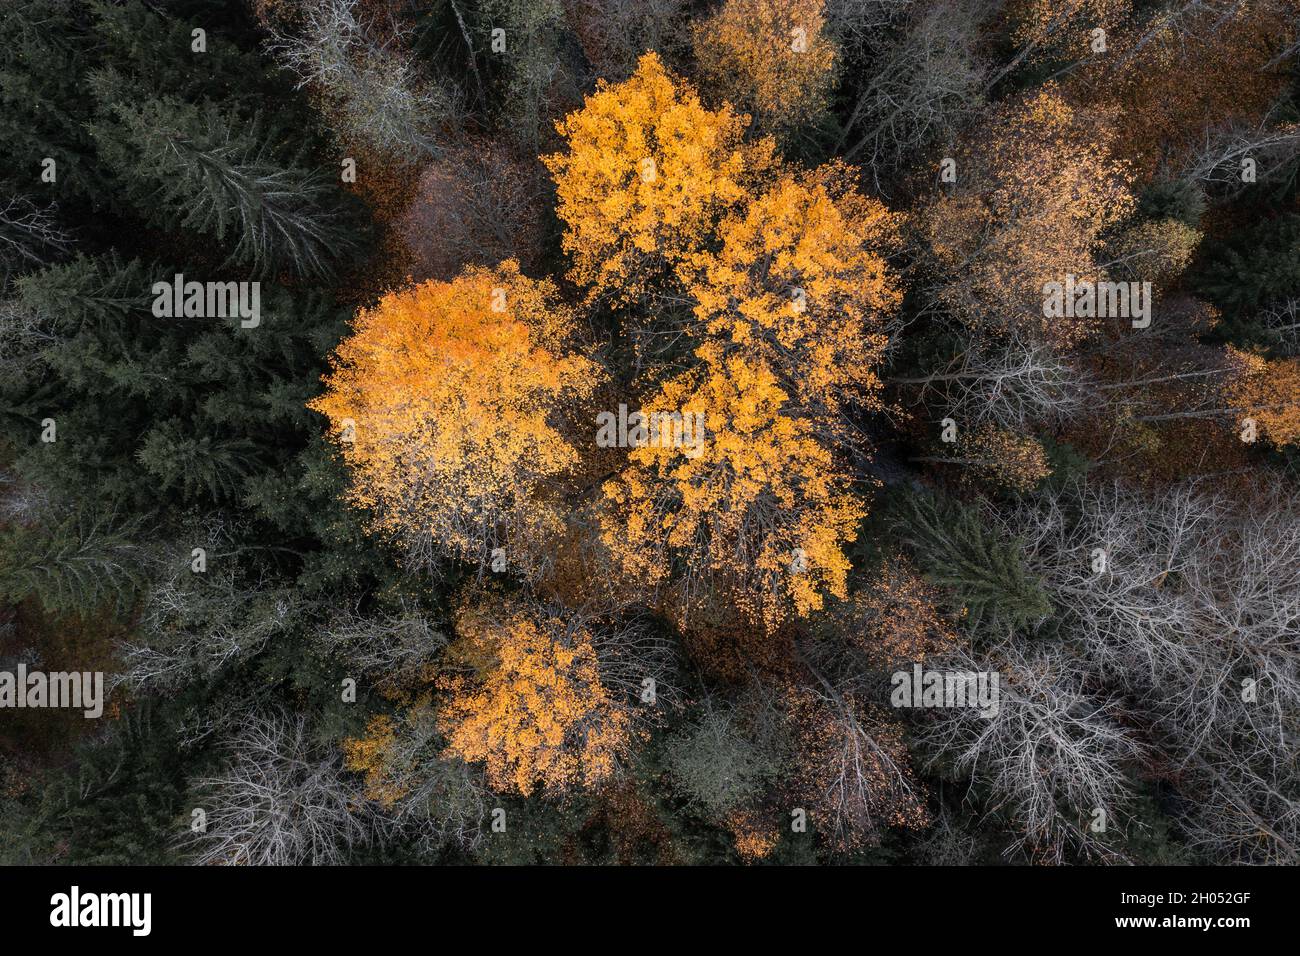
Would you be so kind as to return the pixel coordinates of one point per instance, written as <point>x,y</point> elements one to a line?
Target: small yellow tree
<point>533,710</point>
<point>444,402</point>
<point>756,506</point>
<point>1269,394</point>
<point>1063,27</point>
<point>999,456</point>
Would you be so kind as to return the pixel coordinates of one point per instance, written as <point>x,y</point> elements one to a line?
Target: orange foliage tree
<point>444,402</point>
<point>646,175</point>
<point>800,280</point>
<point>755,838</point>
<point>532,709</point>
<point>1270,394</point>
<point>895,618</point>
<point>1168,76</point>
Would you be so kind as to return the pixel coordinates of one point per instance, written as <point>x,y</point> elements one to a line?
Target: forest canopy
<point>650,431</point>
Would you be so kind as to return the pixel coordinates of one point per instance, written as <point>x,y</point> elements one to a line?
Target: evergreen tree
<point>71,563</point>
<point>43,50</point>
<point>201,169</point>
<point>114,804</point>
<point>1254,268</point>
<point>984,571</point>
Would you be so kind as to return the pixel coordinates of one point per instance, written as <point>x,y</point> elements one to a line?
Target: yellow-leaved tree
<point>647,173</point>
<point>531,706</point>
<point>1269,394</point>
<point>786,277</point>
<point>1044,28</point>
<point>998,456</point>
<point>446,403</point>
<point>800,281</point>
<point>771,57</point>
<point>755,506</point>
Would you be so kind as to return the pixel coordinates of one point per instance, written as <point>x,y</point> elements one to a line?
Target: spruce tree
<point>72,562</point>
<point>984,572</point>
<point>43,51</point>
<point>201,169</point>
<point>1254,268</point>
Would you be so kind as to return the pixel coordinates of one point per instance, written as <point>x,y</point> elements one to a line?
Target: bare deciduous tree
<point>24,334</point>
<point>1246,810</point>
<point>921,88</point>
<point>30,237</point>
<point>863,24</point>
<point>1189,602</point>
<point>1052,754</point>
<point>853,766</point>
<point>277,801</point>
<point>476,205</point>
<point>1218,164</point>
<point>392,647</point>
<point>377,96</point>
<point>1198,593</point>
<point>1281,324</point>
<point>1014,382</point>
<point>428,797</point>
<point>615,33</point>
<point>194,625</point>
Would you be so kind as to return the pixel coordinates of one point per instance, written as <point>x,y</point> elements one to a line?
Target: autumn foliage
<point>647,172</point>
<point>767,320</point>
<point>650,431</point>
<point>1269,392</point>
<point>444,403</point>
<point>801,281</point>
<point>763,511</point>
<point>771,58</point>
<point>531,706</point>
<point>1035,191</point>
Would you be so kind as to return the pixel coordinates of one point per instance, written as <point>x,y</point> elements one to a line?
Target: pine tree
<point>116,803</point>
<point>99,291</point>
<point>196,465</point>
<point>156,412</point>
<point>71,562</point>
<point>42,111</point>
<point>204,170</point>
<point>956,550</point>
<point>1254,268</point>
<point>155,47</point>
